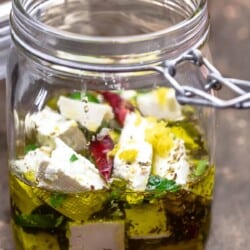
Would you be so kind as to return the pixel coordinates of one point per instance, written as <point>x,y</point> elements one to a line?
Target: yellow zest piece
<point>166,98</point>
<point>181,133</point>
<point>161,94</point>
<point>128,155</point>
<point>113,152</point>
<point>160,137</point>
<point>134,198</point>
<point>114,135</point>
<point>138,120</point>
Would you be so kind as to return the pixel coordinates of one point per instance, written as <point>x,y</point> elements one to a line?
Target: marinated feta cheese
<point>68,171</point>
<point>50,125</point>
<point>133,159</point>
<point>32,161</point>
<point>128,94</point>
<point>90,115</point>
<point>175,166</point>
<point>133,163</point>
<point>160,103</point>
<point>97,235</point>
<point>134,129</point>
<point>40,240</point>
<point>148,221</point>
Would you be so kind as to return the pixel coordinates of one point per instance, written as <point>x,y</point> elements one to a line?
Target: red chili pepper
<point>99,150</point>
<point>120,106</point>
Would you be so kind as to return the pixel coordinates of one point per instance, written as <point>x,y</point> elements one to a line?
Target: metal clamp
<point>188,94</point>
<point>215,81</point>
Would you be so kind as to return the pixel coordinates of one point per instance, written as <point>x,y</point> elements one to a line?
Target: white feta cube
<point>132,140</point>
<point>160,103</point>
<point>175,166</point>
<point>128,94</point>
<point>50,125</point>
<point>68,171</point>
<point>136,172</point>
<point>32,161</point>
<point>90,115</point>
<point>97,235</point>
<point>134,129</point>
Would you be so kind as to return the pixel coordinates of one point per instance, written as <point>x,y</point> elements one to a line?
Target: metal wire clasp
<point>215,81</point>
<point>188,94</point>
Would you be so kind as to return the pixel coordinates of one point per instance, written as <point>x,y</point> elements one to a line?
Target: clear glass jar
<point>103,159</point>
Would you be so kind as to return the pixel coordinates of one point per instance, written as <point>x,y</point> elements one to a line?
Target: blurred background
<point>230,48</point>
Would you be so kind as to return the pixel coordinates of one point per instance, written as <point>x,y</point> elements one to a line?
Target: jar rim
<point>112,39</point>
<point>27,32</point>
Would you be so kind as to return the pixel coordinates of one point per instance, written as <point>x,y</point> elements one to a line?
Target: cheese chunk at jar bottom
<point>97,235</point>
<point>147,221</point>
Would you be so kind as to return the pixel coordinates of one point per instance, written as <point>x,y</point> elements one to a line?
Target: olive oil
<point>165,215</point>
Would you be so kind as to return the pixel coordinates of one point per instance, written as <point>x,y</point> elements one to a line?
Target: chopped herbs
<point>156,183</point>
<point>73,158</point>
<point>30,147</point>
<point>57,199</point>
<point>38,221</point>
<point>79,96</point>
<point>91,97</point>
<point>201,167</point>
<point>75,95</point>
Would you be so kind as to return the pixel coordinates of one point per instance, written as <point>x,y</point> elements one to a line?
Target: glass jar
<point>102,156</point>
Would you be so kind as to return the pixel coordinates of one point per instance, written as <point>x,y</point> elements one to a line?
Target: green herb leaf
<point>161,184</point>
<point>118,188</point>
<point>30,147</point>
<point>201,167</point>
<point>75,95</point>
<point>79,96</point>
<point>73,158</point>
<point>91,97</point>
<point>38,220</point>
<point>57,199</point>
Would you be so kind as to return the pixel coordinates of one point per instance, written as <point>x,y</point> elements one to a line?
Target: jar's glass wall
<point>94,153</point>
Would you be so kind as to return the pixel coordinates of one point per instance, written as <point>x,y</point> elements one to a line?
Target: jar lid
<point>5,39</point>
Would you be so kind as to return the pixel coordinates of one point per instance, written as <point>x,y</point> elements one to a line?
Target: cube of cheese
<point>133,163</point>
<point>175,166</point>
<point>39,240</point>
<point>97,235</point>
<point>68,171</point>
<point>32,161</point>
<point>147,221</point>
<point>50,125</point>
<point>133,160</point>
<point>160,103</point>
<point>90,115</point>
<point>134,129</point>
